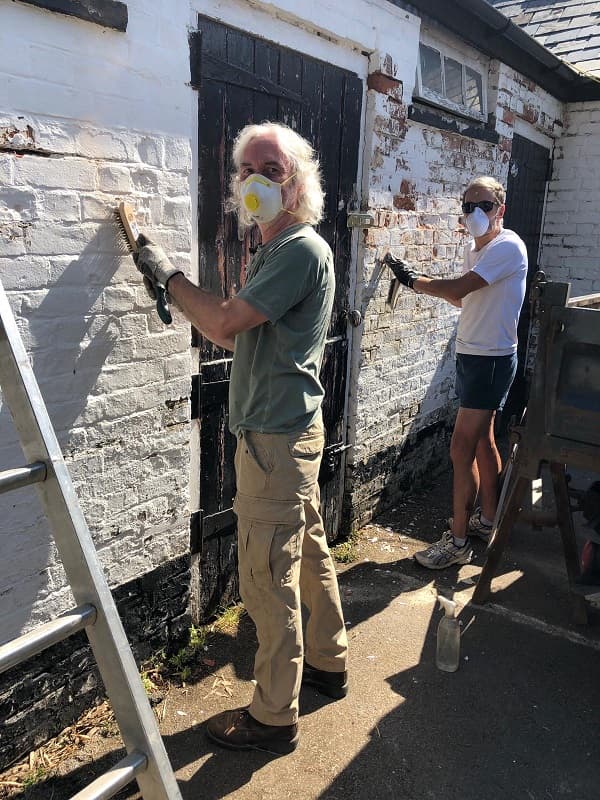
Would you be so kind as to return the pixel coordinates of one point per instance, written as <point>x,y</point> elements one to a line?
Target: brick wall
<point>91,117</point>
<point>115,379</point>
<point>403,401</point>
<point>571,239</point>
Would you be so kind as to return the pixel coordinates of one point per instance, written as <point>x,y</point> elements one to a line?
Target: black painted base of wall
<point>46,694</point>
<point>376,485</point>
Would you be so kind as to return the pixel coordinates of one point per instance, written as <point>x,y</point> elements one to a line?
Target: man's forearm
<point>204,310</point>
<point>446,288</point>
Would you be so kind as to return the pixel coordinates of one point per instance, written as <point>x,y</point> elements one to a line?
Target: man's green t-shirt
<point>275,385</point>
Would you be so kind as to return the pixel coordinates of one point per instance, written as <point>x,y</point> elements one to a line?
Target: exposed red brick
<point>403,203</point>
<point>405,199</point>
<point>530,114</point>
<point>451,140</point>
<point>384,84</point>
<point>505,144</point>
<point>508,116</point>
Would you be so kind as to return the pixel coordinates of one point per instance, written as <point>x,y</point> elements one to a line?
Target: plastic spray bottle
<point>448,637</point>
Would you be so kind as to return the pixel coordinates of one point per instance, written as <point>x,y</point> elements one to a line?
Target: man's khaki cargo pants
<point>284,561</point>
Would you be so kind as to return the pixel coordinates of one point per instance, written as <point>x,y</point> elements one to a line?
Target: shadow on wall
<point>427,403</point>
<point>68,332</point>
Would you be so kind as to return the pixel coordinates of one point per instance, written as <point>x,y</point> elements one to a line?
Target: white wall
<point>571,239</point>
<point>90,117</point>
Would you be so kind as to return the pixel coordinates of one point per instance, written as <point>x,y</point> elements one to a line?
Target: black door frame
<point>210,65</point>
<point>529,172</point>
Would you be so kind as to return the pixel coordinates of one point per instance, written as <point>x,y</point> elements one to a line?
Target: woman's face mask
<point>477,223</point>
<point>261,197</point>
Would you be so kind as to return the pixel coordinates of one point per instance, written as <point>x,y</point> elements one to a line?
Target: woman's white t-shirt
<point>489,316</point>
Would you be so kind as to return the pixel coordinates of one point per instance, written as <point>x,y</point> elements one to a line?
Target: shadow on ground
<point>518,720</point>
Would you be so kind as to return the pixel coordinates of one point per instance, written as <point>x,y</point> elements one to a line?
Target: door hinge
<point>356,219</point>
<point>331,461</point>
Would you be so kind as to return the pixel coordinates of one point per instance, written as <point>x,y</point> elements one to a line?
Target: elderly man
<point>490,293</point>
<point>276,326</point>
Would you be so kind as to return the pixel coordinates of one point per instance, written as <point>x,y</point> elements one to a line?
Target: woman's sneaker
<point>476,526</point>
<point>444,553</point>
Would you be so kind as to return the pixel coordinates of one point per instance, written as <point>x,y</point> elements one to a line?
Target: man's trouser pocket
<point>269,549</point>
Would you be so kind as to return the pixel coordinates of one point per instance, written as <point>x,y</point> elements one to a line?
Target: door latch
<point>354,317</point>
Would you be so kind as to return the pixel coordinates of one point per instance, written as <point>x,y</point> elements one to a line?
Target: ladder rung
<point>22,476</point>
<point>116,778</point>
<point>32,643</point>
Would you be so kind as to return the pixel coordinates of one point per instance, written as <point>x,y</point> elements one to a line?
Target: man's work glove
<point>157,270</point>
<point>153,263</point>
<point>402,272</point>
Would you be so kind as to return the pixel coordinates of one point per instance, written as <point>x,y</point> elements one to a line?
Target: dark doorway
<point>241,79</point>
<point>528,174</point>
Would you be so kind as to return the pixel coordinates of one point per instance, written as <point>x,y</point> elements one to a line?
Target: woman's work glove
<point>402,272</point>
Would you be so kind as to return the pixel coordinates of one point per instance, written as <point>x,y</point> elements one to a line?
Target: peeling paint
<point>17,138</point>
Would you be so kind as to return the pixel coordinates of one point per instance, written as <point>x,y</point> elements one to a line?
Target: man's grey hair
<point>304,163</point>
<point>487,182</point>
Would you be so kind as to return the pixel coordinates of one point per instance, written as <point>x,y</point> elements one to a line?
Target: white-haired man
<point>276,326</point>
<point>490,293</point>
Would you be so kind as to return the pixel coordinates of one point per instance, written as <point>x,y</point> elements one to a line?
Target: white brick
<point>24,273</point>
<point>151,151</point>
<point>97,207</point>
<point>114,179</point>
<point>13,237</point>
<point>178,156</point>
<point>55,173</point>
<point>146,180</point>
<point>62,206</point>
<point>110,145</point>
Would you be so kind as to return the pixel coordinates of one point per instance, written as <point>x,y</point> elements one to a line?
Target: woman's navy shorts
<point>483,381</point>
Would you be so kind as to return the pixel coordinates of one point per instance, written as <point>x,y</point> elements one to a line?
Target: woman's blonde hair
<point>304,164</point>
<point>487,182</point>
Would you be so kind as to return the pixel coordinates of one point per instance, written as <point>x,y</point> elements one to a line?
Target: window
<point>449,83</point>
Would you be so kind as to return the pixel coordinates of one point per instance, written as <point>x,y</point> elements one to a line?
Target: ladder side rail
<point>136,720</point>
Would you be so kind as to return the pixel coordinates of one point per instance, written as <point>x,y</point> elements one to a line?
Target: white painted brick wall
<point>571,239</point>
<point>416,174</point>
<point>96,116</point>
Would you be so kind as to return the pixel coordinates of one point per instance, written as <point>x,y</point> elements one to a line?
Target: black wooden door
<point>241,79</point>
<point>528,173</point>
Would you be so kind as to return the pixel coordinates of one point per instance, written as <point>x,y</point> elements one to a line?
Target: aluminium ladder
<point>146,759</point>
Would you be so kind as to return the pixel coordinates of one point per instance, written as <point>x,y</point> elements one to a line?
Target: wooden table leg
<point>507,519</point>
<point>567,532</point>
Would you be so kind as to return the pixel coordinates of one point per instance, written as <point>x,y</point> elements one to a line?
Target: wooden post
<point>567,532</point>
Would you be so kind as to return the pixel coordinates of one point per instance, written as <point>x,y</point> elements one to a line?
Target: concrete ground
<point>520,718</point>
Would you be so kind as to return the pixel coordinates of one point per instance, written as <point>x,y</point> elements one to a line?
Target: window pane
<point>431,69</point>
<point>474,99</point>
<point>453,72</point>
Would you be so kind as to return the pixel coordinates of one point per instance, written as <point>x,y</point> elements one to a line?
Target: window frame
<point>424,94</point>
